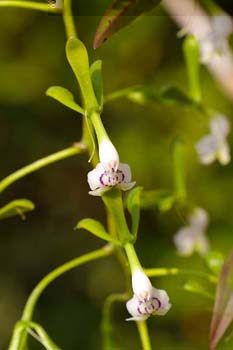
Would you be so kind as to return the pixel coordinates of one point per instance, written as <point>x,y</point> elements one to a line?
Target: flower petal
<point>141,285</point>
<point>93,177</point>
<point>220,126</point>
<point>223,154</point>
<point>133,308</point>
<point>99,191</point>
<point>185,240</point>
<point>108,155</point>
<point>163,299</point>
<point>199,219</point>
<point>126,186</point>
<point>206,149</point>
<point>125,168</point>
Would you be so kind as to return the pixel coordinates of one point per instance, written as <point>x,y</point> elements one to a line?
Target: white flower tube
<point>108,155</point>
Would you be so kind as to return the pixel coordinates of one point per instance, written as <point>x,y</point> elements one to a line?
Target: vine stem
<point>30,5</point>
<point>163,271</point>
<point>144,335</point>
<point>68,19</point>
<point>52,158</point>
<point>19,336</point>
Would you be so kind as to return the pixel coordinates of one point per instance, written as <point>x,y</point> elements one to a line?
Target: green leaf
<point>65,97</point>
<point>222,316</point>
<point>16,207</point>
<point>118,15</point>
<point>97,81</point>
<point>172,95</point>
<point>133,206</point>
<point>163,199</point>
<point>198,288</point>
<point>214,261</point>
<point>97,229</point>
<point>78,59</point>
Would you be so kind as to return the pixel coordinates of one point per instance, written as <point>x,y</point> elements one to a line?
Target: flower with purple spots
<point>156,304</point>
<point>102,179</point>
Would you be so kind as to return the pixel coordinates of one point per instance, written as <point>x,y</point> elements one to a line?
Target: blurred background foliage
<point>32,58</point>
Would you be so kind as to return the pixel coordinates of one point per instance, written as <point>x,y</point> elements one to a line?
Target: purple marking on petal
<point>101,179</point>
<point>139,311</point>
<point>158,301</point>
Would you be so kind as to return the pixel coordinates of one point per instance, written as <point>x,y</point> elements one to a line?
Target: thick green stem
<point>68,19</point>
<point>132,257</point>
<point>99,127</point>
<point>144,335</point>
<point>19,336</point>
<point>113,201</point>
<point>66,153</point>
<point>30,5</point>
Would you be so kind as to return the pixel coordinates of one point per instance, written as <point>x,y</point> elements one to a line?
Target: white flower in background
<point>108,155</point>
<point>192,238</point>
<point>216,42</point>
<point>55,3</point>
<point>101,179</point>
<point>214,145</point>
<point>147,300</point>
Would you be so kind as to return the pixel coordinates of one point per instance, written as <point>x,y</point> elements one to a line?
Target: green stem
<point>68,152</point>
<point>132,257</point>
<point>179,170</point>
<point>68,19</point>
<point>30,5</point>
<point>144,335</point>
<point>19,337</point>
<point>99,127</point>
<point>106,324</point>
<point>163,271</point>
<point>113,202</point>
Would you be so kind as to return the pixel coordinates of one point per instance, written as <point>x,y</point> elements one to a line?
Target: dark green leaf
<point>97,81</point>
<point>16,207</point>
<point>118,15</point>
<point>97,229</point>
<point>214,261</point>
<point>65,97</point>
<point>198,288</point>
<point>162,199</point>
<point>133,205</point>
<point>173,95</point>
<point>78,58</point>
<point>222,315</point>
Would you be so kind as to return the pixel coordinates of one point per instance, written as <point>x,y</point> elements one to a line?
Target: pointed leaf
<point>65,97</point>
<point>163,199</point>
<point>133,206</point>
<point>97,229</point>
<point>118,15</point>
<point>198,288</point>
<point>222,315</point>
<point>16,207</point>
<point>97,81</point>
<point>78,59</point>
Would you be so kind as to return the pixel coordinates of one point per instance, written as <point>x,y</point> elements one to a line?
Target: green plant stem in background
<point>66,153</point>
<point>192,59</point>
<point>179,170</point>
<point>43,284</point>
<point>163,271</point>
<point>106,324</point>
<point>30,5</point>
<point>144,335</point>
<point>68,19</point>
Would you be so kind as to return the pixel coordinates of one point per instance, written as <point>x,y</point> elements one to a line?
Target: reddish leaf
<point>120,14</point>
<point>223,308</point>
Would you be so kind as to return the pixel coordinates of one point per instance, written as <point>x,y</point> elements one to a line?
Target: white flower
<point>214,145</point>
<point>192,237</point>
<point>216,43</point>
<point>108,155</point>
<point>157,304</point>
<point>141,285</point>
<point>101,180</point>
